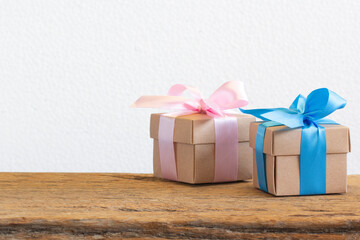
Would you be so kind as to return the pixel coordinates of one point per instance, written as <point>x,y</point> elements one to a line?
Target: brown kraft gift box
<point>282,149</point>
<point>194,137</point>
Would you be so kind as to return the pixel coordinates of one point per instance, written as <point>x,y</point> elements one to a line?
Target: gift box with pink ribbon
<point>201,140</point>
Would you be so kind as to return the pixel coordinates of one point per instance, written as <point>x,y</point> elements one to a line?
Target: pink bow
<point>230,95</point>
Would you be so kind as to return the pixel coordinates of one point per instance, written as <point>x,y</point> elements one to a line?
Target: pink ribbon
<point>229,96</point>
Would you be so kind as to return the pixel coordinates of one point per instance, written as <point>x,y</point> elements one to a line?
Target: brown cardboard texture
<point>194,137</point>
<point>282,148</point>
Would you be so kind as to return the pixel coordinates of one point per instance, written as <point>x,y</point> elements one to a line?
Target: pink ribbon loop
<point>228,96</point>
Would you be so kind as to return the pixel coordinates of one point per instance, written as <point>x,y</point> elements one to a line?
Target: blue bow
<point>306,113</point>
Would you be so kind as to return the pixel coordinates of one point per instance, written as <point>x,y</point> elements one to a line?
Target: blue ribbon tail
<point>325,121</point>
<point>259,112</point>
<point>313,160</point>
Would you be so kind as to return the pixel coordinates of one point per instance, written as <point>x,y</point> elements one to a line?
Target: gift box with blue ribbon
<point>296,150</point>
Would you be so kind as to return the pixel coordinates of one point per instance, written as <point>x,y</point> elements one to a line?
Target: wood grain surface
<point>138,206</point>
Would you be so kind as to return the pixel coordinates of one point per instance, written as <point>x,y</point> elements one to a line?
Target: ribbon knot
<point>307,113</point>
<point>209,108</point>
<point>307,121</point>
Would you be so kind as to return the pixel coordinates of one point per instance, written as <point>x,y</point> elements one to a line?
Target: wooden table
<point>110,206</point>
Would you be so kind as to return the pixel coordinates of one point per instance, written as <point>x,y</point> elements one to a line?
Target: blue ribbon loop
<point>306,113</point>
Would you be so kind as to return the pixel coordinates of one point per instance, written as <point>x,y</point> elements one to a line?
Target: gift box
<point>200,141</point>
<point>297,151</point>
<point>282,149</point>
<point>194,146</point>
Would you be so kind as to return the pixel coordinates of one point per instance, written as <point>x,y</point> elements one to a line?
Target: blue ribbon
<point>307,113</point>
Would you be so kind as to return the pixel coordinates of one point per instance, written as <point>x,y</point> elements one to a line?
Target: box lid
<point>281,140</point>
<point>200,128</point>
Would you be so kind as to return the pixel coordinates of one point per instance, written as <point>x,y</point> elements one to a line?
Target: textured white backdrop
<point>70,69</point>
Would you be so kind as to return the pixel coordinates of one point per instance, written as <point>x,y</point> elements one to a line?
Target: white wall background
<point>70,69</point>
